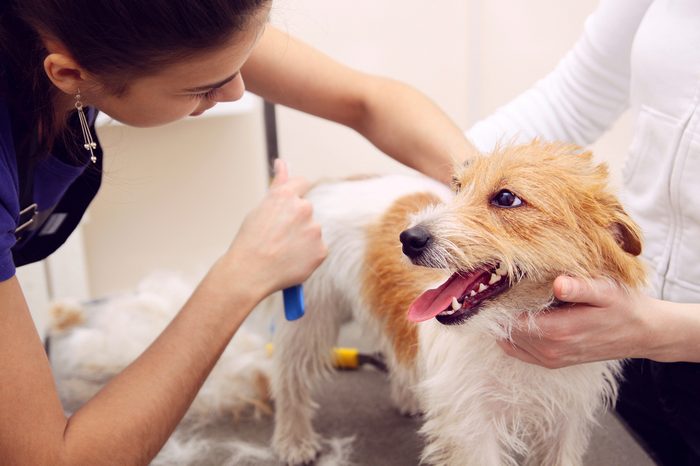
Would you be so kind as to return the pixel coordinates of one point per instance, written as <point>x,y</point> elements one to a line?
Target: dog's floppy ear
<point>626,232</point>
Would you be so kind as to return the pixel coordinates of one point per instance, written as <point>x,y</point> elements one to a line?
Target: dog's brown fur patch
<point>388,282</point>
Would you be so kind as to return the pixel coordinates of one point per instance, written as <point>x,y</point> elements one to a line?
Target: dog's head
<point>520,217</point>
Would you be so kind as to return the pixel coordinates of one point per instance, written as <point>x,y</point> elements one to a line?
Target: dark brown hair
<point>116,40</point>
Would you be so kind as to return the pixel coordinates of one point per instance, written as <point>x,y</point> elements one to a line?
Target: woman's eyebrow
<point>214,85</point>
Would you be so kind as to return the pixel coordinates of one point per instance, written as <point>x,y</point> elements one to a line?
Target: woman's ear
<point>63,72</point>
<point>62,69</point>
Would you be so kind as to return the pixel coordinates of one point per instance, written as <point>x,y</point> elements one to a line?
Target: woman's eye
<point>505,198</point>
<point>205,95</point>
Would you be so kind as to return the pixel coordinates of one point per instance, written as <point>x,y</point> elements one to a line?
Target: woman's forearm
<point>674,333</point>
<point>130,419</point>
<point>395,117</point>
<point>405,124</point>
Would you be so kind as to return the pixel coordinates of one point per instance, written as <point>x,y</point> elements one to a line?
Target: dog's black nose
<point>414,241</point>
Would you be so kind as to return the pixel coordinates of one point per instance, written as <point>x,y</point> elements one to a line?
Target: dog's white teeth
<point>494,278</point>
<point>502,270</point>
<point>455,304</point>
<point>472,293</point>
<point>482,287</point>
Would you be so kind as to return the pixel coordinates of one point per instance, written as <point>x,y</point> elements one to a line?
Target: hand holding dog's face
<point>606,322</point>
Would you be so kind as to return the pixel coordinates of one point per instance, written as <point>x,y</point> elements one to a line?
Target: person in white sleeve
<point>643,55</point>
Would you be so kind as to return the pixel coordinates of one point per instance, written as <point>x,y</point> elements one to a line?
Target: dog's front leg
<point>403,378</point>
<point>470,441</point>
<point>302,357</point>
<point>294,440</point>
<point>566,448</point>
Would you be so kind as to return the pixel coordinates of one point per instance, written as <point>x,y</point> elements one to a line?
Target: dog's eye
<point>505,198</point>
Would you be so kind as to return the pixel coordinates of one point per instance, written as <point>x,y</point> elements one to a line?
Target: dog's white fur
<point>481,406</point>
<point>486,408</point>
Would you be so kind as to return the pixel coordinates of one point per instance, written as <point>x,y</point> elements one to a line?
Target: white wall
<point>174,196</point>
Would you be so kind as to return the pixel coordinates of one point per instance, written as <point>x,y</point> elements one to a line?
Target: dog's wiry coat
<point>481,406</point>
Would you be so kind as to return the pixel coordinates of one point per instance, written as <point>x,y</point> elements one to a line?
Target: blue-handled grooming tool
<point>293,302</point>
<point>294,295</point>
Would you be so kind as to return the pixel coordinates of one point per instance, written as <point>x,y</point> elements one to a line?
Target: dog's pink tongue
<point>433,302</point>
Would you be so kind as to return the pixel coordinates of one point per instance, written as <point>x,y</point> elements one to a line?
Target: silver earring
<point>89,143</point>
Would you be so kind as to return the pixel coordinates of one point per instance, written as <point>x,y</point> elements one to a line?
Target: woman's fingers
<point>510,349</point>
<point>597,292</point>
<point>279,243</point>
<point>281,172</point>
<point>295,186</point>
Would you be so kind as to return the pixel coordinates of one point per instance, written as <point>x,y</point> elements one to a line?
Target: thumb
<point>575,290</point>
<point>281,171</point>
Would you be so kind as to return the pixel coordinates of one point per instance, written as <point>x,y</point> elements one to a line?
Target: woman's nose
<point>232,90</point>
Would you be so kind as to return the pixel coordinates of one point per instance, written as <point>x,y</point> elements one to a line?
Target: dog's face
<point>520,217</point>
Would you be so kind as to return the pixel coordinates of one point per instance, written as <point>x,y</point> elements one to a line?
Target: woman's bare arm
<point>130,419</point>
<point>395,117</point>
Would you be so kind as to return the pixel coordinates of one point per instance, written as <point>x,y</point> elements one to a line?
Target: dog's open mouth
<point>461,296</point>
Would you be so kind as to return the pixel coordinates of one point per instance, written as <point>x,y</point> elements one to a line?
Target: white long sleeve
<point>583,95</point>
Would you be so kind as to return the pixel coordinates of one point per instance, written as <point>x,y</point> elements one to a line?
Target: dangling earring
<point>89,143</point>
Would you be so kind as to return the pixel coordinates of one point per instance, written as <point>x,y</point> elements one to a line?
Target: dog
<point>440,276</point>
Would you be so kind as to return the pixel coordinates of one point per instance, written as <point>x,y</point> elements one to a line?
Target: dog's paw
<point>295,451</point>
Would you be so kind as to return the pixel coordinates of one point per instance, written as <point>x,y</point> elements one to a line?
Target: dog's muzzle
<point>415,241</point>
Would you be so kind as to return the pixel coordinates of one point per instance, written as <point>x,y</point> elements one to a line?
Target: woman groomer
<point>147,63</point>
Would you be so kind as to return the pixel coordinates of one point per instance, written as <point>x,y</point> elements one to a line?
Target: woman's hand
<point>603,322</point>
<point>278,244</point>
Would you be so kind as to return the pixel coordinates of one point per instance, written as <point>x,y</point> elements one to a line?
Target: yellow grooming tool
<point>349,358</point>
